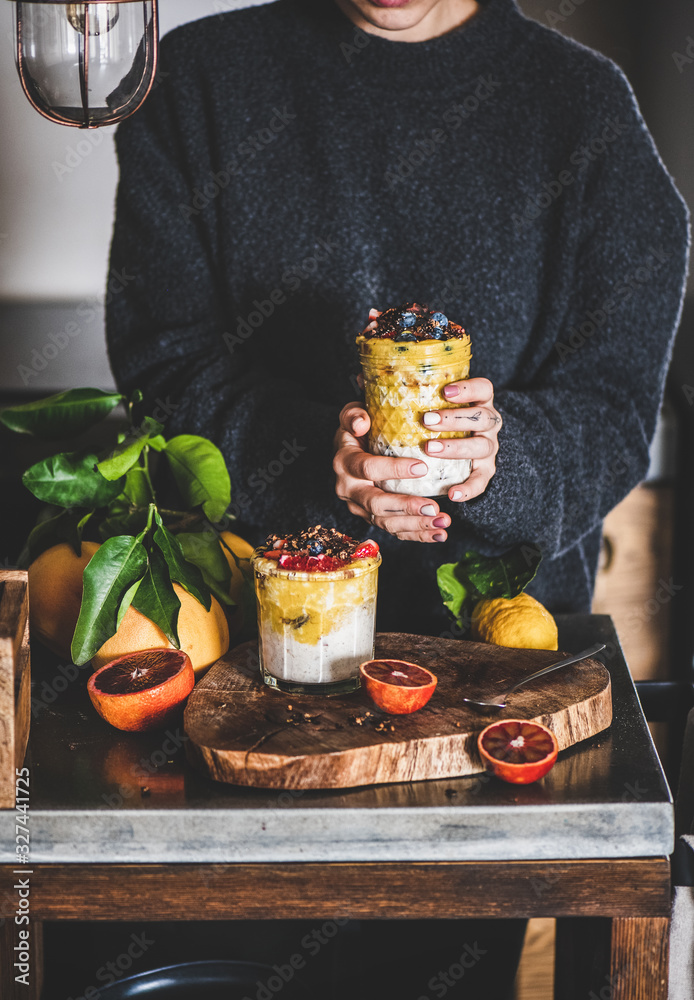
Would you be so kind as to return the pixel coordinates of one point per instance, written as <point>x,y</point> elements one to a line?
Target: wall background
<point>57,185</point>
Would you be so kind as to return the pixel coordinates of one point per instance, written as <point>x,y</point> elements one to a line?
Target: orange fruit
<point>396,686</point>
<point>241,586</point>
<point>520,622</point>
<point>518,751</point>
<point>55,594</point>
<point>143,690</point>
<point>204,635</point>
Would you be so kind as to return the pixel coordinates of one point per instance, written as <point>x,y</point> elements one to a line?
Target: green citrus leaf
<point>499,576</point>
<point>129,449</point>
<point>110,574</point>
<point>453,591</point>
<point>63,415</point>
<point>180,570</point>
<point>137,489</point>
<point>204,551</point>
<point>201,474</point>
<point>122,458</point>
<point>70,480</point>
<point>126,602</point>
<point>156,598</point>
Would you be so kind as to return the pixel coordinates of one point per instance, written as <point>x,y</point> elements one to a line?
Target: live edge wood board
<point>244,733</point>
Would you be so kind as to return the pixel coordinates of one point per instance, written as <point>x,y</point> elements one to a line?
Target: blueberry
<point>408,319</point>
<point>440,319</point>
<point>438,334</point>
<point>316,548</point>
<point>402,337</point>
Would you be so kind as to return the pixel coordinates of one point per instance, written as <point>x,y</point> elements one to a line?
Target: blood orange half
<point>518,751</point>
<point>396,686</point>
<point>142,690</point>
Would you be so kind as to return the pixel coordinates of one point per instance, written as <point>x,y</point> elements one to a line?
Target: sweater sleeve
<point>576,433</point>
<point>166,328</point>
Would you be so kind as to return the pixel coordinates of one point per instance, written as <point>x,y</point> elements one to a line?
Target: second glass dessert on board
<point>408,355</point>
<point>316,593</point>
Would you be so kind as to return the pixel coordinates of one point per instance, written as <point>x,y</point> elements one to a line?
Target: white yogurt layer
<point>335,657</point>
<point>443,472</point>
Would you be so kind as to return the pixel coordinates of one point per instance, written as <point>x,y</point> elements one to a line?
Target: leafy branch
<point>112,494</point>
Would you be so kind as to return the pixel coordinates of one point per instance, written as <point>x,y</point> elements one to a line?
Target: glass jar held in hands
<point>413,360</point>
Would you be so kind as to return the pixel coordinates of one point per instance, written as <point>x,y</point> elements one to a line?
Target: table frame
<point>612,943</point>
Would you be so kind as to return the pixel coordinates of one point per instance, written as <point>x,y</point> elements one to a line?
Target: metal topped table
<point>116,817</point>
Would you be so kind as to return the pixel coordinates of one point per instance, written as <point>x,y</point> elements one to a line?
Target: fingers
<point>354,419</point>
<point>408,518</point>
<point>476,484</point>
<point>472,447</point>
<point>470,390</point>
<point>375,468</point>
<point>475,419</point>
<point>413,529</point>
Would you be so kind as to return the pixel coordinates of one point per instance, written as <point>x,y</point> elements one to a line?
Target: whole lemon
<point>55,594</point>
<point>520,622</point>
<point>241,585</point>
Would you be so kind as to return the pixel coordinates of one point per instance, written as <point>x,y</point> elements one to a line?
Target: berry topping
<point>367,550</point>
<point>317,549</point>
<point>411,322</point>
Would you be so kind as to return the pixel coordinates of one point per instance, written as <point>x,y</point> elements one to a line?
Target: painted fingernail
<point>434,447</point>
<point>439,537</point>
<point>428,510</point>
<point>418,469</point>
<point>456,495</point>
<point>451,391</point>
<point>431,419</point>
<point>440,522</point>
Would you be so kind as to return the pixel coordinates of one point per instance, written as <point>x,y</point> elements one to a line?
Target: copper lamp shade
<point>86,64</point>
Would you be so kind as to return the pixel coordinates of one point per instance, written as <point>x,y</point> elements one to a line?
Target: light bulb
<point>102,17</point>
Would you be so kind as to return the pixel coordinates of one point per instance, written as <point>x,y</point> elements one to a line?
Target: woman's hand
<point>412,519</point>
<point>417,518</point>
<point>480,418</point>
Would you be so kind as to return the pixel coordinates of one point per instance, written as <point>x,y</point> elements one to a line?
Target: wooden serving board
<point>242,732</point>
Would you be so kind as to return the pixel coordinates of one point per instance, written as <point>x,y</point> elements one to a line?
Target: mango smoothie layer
<point>408,355</point>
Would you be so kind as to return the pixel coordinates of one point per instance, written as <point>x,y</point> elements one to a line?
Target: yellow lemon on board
<point>520,622</point>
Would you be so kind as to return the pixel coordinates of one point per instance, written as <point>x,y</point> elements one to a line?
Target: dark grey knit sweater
<point>290,172</point>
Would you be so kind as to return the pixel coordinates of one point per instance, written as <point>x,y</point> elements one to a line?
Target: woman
<point>304,161</point>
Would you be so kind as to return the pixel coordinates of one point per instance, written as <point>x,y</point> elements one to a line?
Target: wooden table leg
<point>640,958</point>
<point>625,958</point>
<point>31,985</point>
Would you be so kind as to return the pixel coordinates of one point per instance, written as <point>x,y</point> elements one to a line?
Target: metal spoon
<point>501,700</point>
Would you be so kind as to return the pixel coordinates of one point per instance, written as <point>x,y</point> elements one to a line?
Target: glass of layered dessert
<point>316,593</point>
<point>408,354</point>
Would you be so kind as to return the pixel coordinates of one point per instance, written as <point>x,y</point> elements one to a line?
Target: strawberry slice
<point>367,550</point>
